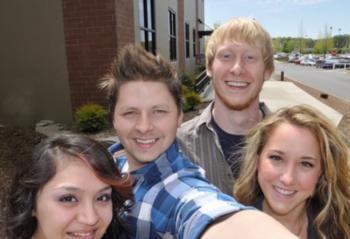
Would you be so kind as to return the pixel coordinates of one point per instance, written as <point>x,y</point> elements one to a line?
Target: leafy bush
<point>188,81</point>
<point>91,118</point>
<point>192,99</point>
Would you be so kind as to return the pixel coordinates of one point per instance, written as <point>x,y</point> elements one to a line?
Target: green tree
<point>277,44</point>
<point>289,46</point>
<point>318,47</point>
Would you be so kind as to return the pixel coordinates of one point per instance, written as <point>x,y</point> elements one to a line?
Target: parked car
<point>330,63</point>
<point>280,56</point>
<point>294,56</point>
<point>307,62</point>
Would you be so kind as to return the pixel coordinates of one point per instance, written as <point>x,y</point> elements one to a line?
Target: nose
<point>144,123</point>
<point>288,175</point>
<point>237,67</point>
<point>88,214</point>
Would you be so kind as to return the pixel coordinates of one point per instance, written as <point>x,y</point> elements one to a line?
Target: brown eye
<point>105,197</point>
<point>68,199</point>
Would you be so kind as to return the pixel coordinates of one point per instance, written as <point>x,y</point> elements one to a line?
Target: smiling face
<point>289,167</point>
<point>146,119</point>
<point>73,204</point>
<point>237,73</point>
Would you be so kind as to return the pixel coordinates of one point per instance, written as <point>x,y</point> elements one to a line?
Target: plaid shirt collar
<point>156,171</point>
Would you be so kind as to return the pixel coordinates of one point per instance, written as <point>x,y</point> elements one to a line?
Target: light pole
<point>330,39</point>
<point>339,40</point>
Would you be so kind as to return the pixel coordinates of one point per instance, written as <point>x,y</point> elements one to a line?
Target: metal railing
<point>202,80</point>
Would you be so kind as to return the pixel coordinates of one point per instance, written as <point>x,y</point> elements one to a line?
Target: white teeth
<point>237,83</point>
<point>81,234</point>
<point>284,191</point>
<point>145,141</point>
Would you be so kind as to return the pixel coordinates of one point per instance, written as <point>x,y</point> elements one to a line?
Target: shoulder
<point>201,206</point>
<point>191,126</point>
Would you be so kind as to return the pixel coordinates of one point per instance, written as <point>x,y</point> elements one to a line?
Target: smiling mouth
<point>146,143</point>
<point>83,235</point>
<point>236,83</point>
<point>284,192</point>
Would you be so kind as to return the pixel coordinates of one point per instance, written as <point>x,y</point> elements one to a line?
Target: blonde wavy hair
<point>332,196</point>
<point>241,30</point>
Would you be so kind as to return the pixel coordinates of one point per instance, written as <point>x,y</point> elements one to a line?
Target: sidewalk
<point>278,94</point>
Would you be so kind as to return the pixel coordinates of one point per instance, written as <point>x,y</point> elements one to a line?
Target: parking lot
<point>319,61</point>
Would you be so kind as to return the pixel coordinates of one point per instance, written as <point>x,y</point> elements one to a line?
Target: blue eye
<point>225,56</point>
<point>275,157</point>
<point>68,199</point>
<point>307,164</point>
<point>159,112</point>
<point>250,58</point>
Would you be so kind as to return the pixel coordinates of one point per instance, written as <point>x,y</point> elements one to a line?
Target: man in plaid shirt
<point>172,198</point>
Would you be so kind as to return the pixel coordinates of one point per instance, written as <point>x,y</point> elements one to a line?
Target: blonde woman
<point>296,169</point>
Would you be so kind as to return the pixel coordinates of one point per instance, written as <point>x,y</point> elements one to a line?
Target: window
<point>194,42</point>
<point>187,39</point>
<point>172,35</point>
<point>147,26</point>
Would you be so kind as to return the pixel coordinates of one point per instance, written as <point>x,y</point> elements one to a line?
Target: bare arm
<point>248,224</point>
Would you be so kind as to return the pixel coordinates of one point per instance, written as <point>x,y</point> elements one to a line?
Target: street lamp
<point>339,38</point>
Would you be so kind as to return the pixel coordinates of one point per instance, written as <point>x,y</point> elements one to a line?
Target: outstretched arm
<point>248,224</point>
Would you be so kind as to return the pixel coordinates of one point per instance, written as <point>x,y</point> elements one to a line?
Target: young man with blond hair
<point>239,58</point>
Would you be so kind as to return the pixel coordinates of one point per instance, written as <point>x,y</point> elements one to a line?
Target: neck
<point>237,122</point>
<point>295,221</point>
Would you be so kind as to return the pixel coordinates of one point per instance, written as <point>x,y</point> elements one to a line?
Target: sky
<point>285,18</point>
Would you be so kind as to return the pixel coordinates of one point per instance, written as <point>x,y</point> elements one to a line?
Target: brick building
<point>54,52</point>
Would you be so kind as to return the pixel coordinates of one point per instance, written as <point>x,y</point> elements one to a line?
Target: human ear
<point>209,72</point>
<point>180,118</point>
<point>267,74</point>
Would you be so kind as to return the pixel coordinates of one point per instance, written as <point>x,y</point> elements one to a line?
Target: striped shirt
<point>172,199</point>
<point>200,141</point>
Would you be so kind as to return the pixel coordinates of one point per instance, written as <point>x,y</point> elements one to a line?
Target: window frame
<point>147,25</point>
<point>172,35</point>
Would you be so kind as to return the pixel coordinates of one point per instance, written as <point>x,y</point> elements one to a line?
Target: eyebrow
<point>309,158</point>
<point>75,189</point>
<point>303,157</point>
<point>276,151</point>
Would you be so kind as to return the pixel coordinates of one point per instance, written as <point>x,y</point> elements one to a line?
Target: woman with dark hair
<point>69,188</point>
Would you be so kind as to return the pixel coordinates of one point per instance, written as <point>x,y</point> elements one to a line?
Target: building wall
<point>185,11</point>
<point>200,15</point>
<point>162,26</point>
<point>34,78</point>
<point>94,30</point>
<point>125,24</point>
<point>54,53</point>
<point>190,17</point>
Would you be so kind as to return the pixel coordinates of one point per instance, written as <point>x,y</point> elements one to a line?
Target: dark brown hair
<point>134,63</point>
<point>38,170</point>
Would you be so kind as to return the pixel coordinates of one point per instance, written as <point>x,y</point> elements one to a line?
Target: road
<point>333,82</point>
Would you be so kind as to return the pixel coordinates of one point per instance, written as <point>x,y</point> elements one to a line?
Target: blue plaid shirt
<point>172,198</point>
